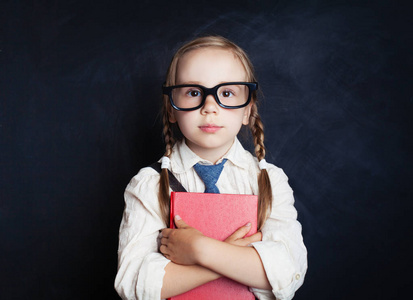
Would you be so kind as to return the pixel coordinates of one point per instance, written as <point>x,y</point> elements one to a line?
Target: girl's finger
<point>165,232</point>
<point>256,237</point>
<point>179,223</point>
<point>164,250</point>
<point>164,241</point>
<point>240,232</point>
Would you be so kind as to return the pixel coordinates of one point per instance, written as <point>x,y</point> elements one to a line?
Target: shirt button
<point>297,276</point>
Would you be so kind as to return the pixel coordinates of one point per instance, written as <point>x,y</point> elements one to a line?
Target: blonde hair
<point>255,124</point>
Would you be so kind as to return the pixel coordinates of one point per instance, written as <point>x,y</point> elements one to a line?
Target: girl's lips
<point>210,128</point>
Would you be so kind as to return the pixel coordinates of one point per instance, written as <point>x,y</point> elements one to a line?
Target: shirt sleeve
<point>140,265</point>
<point>282,249</point>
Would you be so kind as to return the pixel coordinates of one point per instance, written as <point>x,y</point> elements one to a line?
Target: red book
<point>216,216</point>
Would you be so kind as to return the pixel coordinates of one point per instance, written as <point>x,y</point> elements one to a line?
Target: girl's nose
<point>210,105</point>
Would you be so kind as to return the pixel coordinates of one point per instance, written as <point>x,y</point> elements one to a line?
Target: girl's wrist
<point>204,250</point>
<point>200,246</point>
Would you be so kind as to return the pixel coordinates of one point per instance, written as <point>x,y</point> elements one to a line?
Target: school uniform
<point>141,265</point>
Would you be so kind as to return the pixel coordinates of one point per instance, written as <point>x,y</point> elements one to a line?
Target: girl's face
<point>210,130</point>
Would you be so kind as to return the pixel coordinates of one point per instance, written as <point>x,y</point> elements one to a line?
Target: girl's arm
<point>186,246</point>
<point>281,252</point>
<point>179,279</point>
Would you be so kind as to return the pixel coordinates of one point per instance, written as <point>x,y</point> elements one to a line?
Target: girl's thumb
<point>179,223</point>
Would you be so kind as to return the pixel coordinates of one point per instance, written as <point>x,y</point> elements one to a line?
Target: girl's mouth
<point>210,128</point>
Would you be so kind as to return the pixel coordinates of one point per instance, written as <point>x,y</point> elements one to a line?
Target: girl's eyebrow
<point>199,83</point>
<point>191,82</point>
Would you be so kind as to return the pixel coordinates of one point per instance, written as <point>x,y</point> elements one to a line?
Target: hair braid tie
<point>165,162</point>
<point>263,164</point>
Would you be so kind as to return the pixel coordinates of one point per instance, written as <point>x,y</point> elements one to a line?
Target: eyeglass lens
<point>192,96</point>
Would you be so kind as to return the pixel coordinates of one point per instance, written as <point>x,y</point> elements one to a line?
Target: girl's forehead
<point>221,64</point>
<point>205,53</point>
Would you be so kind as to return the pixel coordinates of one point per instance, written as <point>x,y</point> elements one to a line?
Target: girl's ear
<point>247,114</point>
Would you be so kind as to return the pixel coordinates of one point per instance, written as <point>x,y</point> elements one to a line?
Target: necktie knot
<point>209,175</point>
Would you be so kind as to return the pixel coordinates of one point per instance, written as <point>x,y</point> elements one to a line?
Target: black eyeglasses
<point>230,95</point>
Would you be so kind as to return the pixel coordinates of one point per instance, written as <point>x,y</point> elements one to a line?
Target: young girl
<point>210,92</point>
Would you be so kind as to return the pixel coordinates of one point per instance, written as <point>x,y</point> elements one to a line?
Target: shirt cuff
<point>150,277</point>
<point>279,268</point>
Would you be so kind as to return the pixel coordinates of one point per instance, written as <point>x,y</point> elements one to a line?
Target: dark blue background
<point>79,116</point>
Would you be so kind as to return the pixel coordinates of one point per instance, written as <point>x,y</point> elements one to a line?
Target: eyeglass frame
<point>167,90</point>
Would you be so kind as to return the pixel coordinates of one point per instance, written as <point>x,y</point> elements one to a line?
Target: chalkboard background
<point>79,116</point>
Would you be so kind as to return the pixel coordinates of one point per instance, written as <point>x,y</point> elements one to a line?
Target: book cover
<point>216,216</point>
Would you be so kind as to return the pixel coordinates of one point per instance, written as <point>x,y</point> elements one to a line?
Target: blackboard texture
<point>79,116</point>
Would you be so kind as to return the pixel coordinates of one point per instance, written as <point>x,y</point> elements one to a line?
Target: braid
<point>264,184</point>
<point>257,130</point>
<point>168,134</point>
<point>163,194</point>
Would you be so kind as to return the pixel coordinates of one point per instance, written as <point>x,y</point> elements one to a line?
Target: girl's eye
<point>193,93</point>
<point>227,94</point>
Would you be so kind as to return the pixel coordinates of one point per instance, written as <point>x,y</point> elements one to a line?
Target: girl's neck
<point>212,155</point>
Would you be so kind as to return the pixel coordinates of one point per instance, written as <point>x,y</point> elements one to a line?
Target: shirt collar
<point>183,158</point>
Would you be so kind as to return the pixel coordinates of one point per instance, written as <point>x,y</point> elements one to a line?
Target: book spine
<point>171,211</point>
<point>171,217</point>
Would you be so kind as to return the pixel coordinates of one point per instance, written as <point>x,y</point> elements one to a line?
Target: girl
<point>210,92</point>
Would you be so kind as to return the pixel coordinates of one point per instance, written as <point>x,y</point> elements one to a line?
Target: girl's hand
<point>180,245</point>
<point>238,237</point>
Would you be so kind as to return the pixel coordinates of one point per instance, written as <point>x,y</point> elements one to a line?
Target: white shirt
<point>141,265</point>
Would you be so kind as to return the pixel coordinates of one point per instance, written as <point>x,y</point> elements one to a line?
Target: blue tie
<point>209,175</point>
